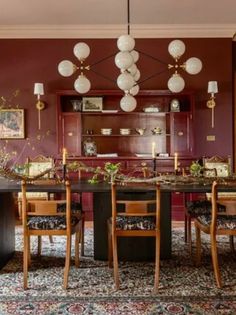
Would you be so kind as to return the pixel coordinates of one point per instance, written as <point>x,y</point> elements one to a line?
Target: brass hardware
<point>180,133</point>
<point>70,134</point>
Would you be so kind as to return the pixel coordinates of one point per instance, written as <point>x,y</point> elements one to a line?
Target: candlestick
<point>176,162</point>
<point>64,152</point>
<point>154,166</point>
<point>153,149</point>
<point>64,172</point>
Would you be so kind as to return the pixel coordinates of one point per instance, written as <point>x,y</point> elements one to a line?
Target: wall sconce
<point>212,89</point>
<point>39,90</point>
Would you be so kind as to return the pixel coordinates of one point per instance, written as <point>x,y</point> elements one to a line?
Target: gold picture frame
<point>92,104</point>
<point>12,124</point>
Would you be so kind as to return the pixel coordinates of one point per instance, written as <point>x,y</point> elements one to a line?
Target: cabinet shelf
<point>160,114</point>
<point>119,135</point>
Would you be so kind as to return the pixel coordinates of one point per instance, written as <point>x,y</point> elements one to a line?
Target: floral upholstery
<point>223,221</point>
<point>135,222</point>
<point>50,222</point>
<point>76,208</point>
<point>199,207</point>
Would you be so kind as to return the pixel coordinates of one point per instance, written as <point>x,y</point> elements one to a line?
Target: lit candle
<point>176,161</point>
<point>153,150</point>
<point>64,152</point>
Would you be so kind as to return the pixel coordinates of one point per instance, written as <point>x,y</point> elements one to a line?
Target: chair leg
<point>39,245</point>
<point>50,239</point>
<point>185,228</point>
<point>25,261</point>
<point>189,234</point>
<point>110,257</point>
<point>198,245</point>
<point>231,243</point>
<point>77,239</point>
<point>67,264</point>
<point>215,263</point>
<point>115,261</point>
<point>157,264</point>
<point>29,255</point>
<point>82,237</point>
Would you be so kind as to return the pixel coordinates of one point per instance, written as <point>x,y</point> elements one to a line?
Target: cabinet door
<point>181,133</point>
<point>71,133</point>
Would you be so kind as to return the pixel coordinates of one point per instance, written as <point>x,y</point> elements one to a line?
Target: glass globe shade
<point>134,90</point>
<point>66,68</point>
<point>125,43</point>
<point>137,75</point>
<point>193,65</point>
<point>176,48</point>
<point>176,83</point>
<point>81,51</point>
<point>82,84</point>
<point>135,55</point>
<point>125,81</point>
<point>133,69</point>
<point>128,103</point>
<point>123,60</point>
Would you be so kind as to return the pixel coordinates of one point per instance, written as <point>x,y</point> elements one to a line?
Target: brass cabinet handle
<point>70,134</point>
<point>180,133</point>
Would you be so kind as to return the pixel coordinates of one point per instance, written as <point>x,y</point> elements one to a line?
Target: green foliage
<point>109,173</point>
<point>196,168</point>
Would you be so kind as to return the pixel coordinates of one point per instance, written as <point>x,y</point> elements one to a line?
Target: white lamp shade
<point>176,83</point>
<point>128,103</point>
<point>125,43</point>
<point>212,87</point>
<point>81,51</point>
<point>82,84</point>
<point>134,90</point>
<point>193,65</point>
<point>38,89</point>
<point>124,60</point>
<point>135,55</point>
<point>133,69</point>
<point>176,48</point>
<point>125,81</point>
<point>66,68</point>
<point>137,75</point>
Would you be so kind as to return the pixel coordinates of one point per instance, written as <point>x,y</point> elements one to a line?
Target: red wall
<point>25,61</point>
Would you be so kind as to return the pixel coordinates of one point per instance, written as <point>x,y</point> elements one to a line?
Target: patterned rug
<point>184,288</point>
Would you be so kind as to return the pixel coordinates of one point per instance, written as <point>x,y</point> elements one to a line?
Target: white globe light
<point>137,75</point>
<point>193,65</point>
<point>125,81</point>
<point>135,55</point>
<point>66,68</point>
<point>81,51</point>
<point>176,48</point>
<point>134,90</point>
<point>128,103</point>
<point>125,43</point>
<point>82,84</point>
<point>176,83</point>
<point>123,60</point>
<point>133,69</point>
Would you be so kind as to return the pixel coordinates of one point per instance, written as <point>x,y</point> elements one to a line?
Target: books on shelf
<point>107,155</point>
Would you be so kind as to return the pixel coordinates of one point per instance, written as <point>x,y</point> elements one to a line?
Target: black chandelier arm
<point>101,60</point>
<point>128,17</point>
<point>152,57</point>
<point>152,76</point>
<point>103,76</point>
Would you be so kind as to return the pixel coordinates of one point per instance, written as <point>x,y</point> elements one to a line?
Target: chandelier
<point>126,59</point>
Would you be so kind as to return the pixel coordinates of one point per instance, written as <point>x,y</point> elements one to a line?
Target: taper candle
<point>176,161</point>
<point>153,149</point>
<point>64,152</point>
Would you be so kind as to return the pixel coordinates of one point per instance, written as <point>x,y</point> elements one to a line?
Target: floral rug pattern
<point>184,288</point>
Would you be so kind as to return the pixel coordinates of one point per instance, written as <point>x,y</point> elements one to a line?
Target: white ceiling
<point>108,18</point>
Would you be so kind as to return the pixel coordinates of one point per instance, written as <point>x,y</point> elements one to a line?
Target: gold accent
<point>40,105</point>
<point>70,134</point>
<point>180,133</point>
<point>211,103</point>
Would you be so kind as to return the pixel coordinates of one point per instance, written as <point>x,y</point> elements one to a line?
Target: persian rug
<point>184,288</point>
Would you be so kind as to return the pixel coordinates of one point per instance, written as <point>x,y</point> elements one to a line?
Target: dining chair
<point>133,218</point>
<point>50,217</point>
<point>216,223</point>
<point>213,167</point>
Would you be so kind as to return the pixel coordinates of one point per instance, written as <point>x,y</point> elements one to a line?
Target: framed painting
<point>12,124</point>
<point>92,104</point>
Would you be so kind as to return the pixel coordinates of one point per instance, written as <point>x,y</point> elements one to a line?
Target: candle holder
<point>64,172</point>
<point>154,166</point>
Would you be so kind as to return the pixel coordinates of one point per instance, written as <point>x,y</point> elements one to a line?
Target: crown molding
<point>114,31</point>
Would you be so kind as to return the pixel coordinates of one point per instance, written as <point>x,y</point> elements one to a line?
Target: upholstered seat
<point>135,223</point>
<point>199,207</point>
<point>50,222</point>
<point>225,222</point>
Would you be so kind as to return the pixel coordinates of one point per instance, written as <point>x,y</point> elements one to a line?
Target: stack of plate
<point>125,131</point>
<point>106,131</point>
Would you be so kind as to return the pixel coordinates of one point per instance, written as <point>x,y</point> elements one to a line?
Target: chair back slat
<point>136,206</point>
<point>43,207</point>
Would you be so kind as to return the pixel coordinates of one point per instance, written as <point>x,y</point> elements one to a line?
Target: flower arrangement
<point>109,173</point>
<point>196,168</point>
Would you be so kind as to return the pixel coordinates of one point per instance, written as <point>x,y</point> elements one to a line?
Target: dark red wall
<point>25,61</point>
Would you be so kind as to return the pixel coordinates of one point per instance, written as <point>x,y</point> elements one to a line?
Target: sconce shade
<point>125,81</point>
<point>66,68</point>
<point>212,87</point>
<point>125,43</point>
<point>82,84</point>
<point>176,48</point>
<point>38,89</point>
<point>81,51</point>
<point>193,65</point>
<point>176,83</point>
<point>128,103</point>
<point>124,60</point>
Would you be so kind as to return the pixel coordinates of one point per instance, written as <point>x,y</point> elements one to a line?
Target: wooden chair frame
<point>133,208</point>
<point>48,208</point>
